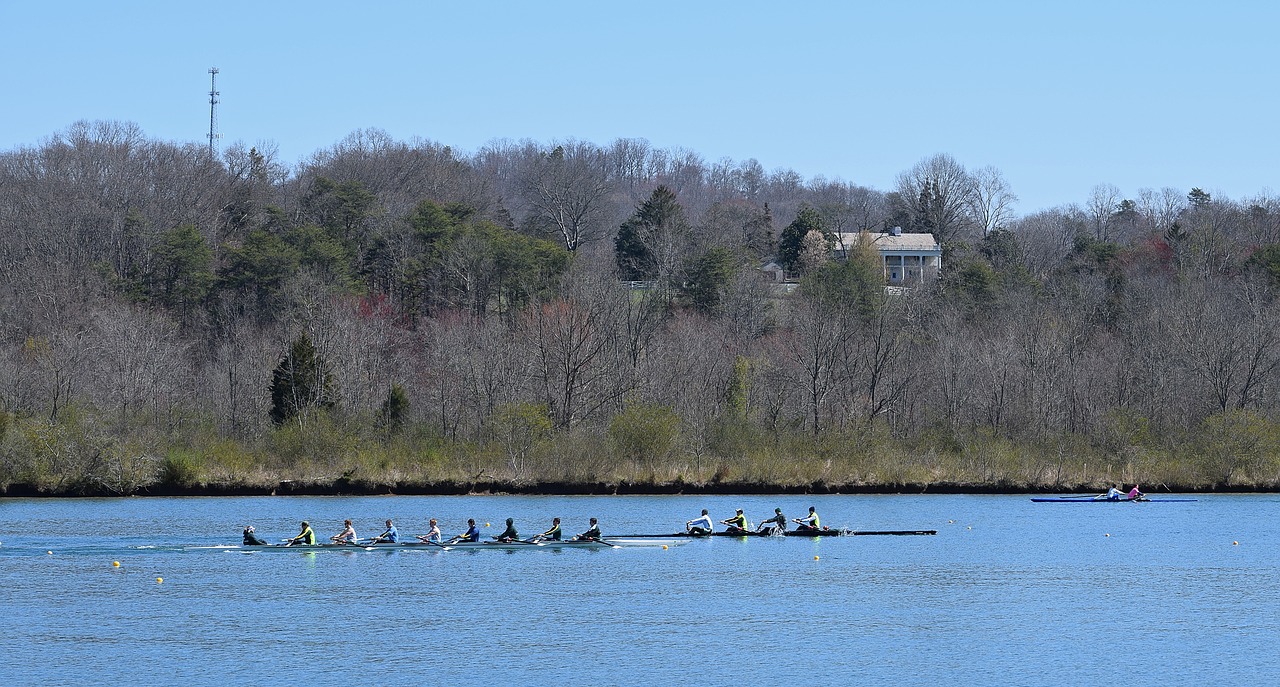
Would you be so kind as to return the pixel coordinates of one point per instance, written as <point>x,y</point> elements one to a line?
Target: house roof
<point>888,243</point>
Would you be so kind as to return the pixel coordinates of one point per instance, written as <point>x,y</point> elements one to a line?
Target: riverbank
<point>291,488</point>
<point>79,457</point>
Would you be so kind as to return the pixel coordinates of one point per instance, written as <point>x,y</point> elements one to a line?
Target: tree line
<point>392,312</point>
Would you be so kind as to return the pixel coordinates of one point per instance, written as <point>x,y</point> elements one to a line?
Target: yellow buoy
<point>486,524</point>
<point>115,563</point>
<point>49,552</point>
<point>815,558</point>
<point>1235,543</point>
<point>159,580</point>
<point>664,547</point>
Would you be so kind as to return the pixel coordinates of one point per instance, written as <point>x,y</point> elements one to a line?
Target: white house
<point>907,258</point>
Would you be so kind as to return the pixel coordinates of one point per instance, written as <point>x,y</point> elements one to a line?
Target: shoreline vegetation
<point>320,457</point>
<point>403,317</point>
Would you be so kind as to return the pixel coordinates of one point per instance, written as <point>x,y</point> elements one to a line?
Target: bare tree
<point>573,356</point>
<point>1046,238</point>
<point>566,190</point>
<point>1161,208</point>
<point>138,363</point>
<point>1104,199</point>
<point>938,196</point>
<point>993,200</point>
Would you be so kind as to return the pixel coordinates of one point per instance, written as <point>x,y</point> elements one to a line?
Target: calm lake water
<point>1007,592</point>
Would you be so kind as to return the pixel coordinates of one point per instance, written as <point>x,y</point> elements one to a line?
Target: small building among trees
<point>907,259</point>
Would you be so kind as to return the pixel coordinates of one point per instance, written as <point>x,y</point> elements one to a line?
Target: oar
<point>599,541</point>
<point>436,543</point>
<point>371,544</point>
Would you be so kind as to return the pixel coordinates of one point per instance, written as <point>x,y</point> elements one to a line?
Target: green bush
<point>180,468</point>
<point>644,434</point>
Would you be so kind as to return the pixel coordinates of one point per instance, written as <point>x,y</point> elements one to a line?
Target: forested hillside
<point>397,314</point>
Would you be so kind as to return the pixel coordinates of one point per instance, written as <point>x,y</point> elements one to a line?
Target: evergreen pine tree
<point>301,381</point>
<point>395,408</point>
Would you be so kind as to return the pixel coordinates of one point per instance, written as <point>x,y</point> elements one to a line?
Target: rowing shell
<point>789,533</point>
<point>1067,499</point>
<point>468,546</point>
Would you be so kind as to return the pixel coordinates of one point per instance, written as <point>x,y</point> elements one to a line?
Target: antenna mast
<point>213,111</point>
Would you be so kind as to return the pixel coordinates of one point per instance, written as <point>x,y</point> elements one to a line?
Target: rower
<point>1112,494</point>
<point>433,534</point>
<point>737,524</point>
<point>808,522</point>
<point>472,534</point>
<point>391,536</point>
<point>700,524</point>
<point>346,536</point>
<point>592,533</point>
<point>510,534</point>
<point>251,539</point>
<point>306,536</point>
<point>1135,493</point>
<point>779,522</point>
<point>553,534</point>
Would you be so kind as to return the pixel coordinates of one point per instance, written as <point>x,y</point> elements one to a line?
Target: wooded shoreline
<point>394,316</point>
<point>341,488</point>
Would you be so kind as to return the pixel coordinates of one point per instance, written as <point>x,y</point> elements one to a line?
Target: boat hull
<point>464,546</point>
<point>1063,499</point>
<point>788,533</point>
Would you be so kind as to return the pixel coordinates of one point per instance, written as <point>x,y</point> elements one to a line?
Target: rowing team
<point>391,535</point>
<point>738,523</point>
<point>1114,494</point>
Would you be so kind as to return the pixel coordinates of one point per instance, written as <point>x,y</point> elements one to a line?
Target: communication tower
<point>213,110</point>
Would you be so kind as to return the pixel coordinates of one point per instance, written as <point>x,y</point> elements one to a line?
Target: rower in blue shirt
<point>391,536</point>
<point>472,533</point>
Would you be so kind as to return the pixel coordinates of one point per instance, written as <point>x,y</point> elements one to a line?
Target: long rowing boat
<point>609,543</point>
<point>825,532</point>
<point>1094,499</point>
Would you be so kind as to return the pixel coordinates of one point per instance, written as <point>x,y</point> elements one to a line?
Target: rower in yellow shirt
<point>737,524</point>
<point>306,536</point>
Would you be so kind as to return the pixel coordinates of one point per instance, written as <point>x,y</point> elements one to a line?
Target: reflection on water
<point>1007,592</point>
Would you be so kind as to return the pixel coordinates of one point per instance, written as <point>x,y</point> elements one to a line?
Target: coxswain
<point>251,539</point>
<point>808,522</point>
<point>346,536</point>
<point>737,524</point>
<point>553,534</point>
<point>510,534</point>
<point>699,525</point>
<point>306,536</point>
<point>472,534</point>
<point>777,523</point>
<point>391,536</point>
<point>592,533</point>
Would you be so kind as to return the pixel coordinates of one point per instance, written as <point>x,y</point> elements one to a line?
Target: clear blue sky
<point>1060,96</point>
